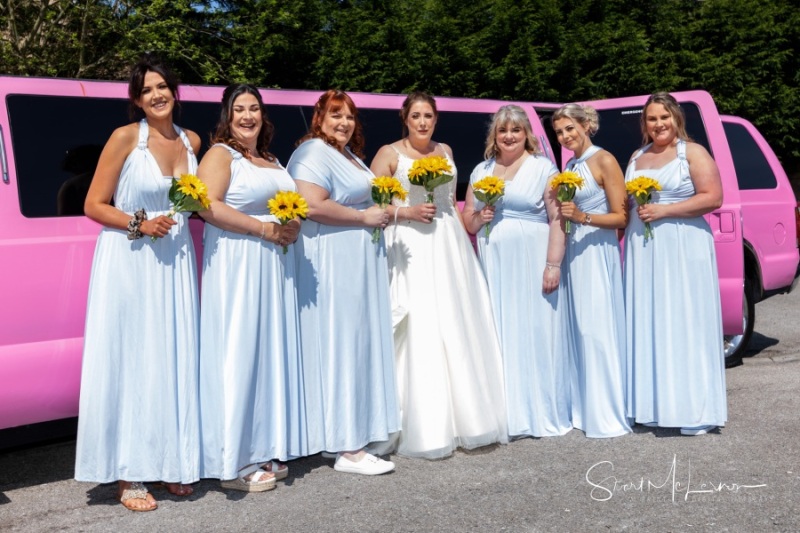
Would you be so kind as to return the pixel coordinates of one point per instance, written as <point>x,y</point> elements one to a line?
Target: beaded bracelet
<point>134,226</point>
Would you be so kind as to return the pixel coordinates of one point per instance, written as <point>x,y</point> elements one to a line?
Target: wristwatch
<point>587,220</point>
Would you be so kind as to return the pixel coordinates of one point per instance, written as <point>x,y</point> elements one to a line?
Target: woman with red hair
<point>343,293</point>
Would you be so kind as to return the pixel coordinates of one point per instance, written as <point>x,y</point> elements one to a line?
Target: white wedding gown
<point>448,362</point>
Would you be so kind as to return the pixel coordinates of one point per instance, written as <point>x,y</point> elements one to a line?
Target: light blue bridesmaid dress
<point>530,324</point>
<point>345,312</point>
<point>676,368</point>
<point>595,310</point>
<point>138,408</point>
<point>252,405</point>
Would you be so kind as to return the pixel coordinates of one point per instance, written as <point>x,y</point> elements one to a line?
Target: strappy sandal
<point>260,481</point>
<point>281,471</point>
<point>137,491</point>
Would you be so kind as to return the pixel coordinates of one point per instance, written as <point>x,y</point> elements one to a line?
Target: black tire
<point>736,345</point>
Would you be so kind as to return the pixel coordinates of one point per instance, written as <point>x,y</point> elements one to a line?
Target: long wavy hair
<point>149,63</point>
<point>332,101</point>
<point>673,108</point>
<point>223,132</point>
<point>516,116</point>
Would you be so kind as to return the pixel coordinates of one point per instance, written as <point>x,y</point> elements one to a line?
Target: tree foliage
<point>744,52</point>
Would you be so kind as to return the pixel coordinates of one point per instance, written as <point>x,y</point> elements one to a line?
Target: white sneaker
<point>700,430</point>
<point>369,465</point>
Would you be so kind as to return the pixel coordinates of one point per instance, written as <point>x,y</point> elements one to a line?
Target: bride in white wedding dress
<point>448,362</point>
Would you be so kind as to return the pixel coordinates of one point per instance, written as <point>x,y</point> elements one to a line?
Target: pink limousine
<point>52,130</point>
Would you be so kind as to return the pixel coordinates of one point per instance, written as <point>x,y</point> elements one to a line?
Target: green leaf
<point>435,182</point>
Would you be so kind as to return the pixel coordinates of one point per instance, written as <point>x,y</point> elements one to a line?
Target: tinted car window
<point>57,141</point>
<point>752,169</point>
<point>620,131</point>
<point>464,132</point>
<point>55,165</point>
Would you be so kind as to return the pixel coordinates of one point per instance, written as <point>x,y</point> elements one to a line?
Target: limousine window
<point>464,132</point>
<point>753,171</point>
<point>57,141</point>
<point>620,132</point>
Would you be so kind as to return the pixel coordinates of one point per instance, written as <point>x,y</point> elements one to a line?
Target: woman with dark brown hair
<point>343,293</point>
<point>449,367</point>
<point>138,409</point>
<point>251,387</point>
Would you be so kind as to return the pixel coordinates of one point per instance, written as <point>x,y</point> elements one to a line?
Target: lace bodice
<point>442,195</point>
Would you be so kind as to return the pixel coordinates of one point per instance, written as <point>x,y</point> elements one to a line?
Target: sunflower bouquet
<point>286,206</point>
<point>384,188</point>
<point>488,190</point>
<point>642,189</point>
<point>187,193</point>
<point>566,185</point>
<point>430,172</point>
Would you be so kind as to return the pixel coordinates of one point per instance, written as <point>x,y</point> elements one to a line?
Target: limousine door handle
<point>723,226</point>
<point>3,160</point>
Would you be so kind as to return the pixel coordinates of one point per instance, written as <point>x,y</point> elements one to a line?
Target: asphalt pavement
<point>744,477</point>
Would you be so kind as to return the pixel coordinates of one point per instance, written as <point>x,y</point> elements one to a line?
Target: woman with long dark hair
<point>251,388</point>
<point>138,408</point>
<point>450,372</point>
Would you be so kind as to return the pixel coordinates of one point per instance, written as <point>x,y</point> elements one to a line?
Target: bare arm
<point>326,211</point>
<point>474,220</point>
<point>194,140</point>
<point>556,242</point>
<point>707,185</point>
<point>215,172</point>
<point>608,174</point>
<point>106,178</point>
<point>385,161</point>
<point>385,164</point>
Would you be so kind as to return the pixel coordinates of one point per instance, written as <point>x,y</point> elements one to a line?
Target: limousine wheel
<point>735,345</point>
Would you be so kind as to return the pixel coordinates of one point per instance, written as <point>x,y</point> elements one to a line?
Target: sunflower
<point>642,188</point>
<point>298,203</point>
<point>281,206</point>
<point>190,185</point>
<point>567,179</point>
<point>428,168</point>
<point>490,185</point>
<point>488,190</point>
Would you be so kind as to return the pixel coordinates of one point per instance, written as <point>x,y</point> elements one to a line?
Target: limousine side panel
<point>620,133</point>
<point>46,256</point>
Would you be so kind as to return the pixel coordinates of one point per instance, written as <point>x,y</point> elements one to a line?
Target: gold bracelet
<point>551,266</point>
